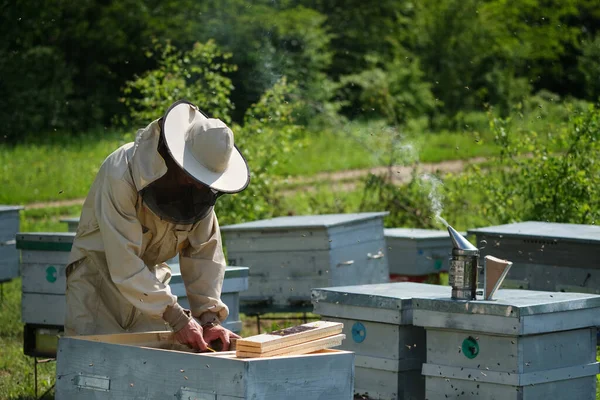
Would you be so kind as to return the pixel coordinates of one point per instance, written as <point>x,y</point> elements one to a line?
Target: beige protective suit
<point>117,280</point>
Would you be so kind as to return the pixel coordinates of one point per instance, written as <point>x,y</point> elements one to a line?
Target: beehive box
<point>546,256</point>
<point>72,223</point>
<point>417,252</point>
<point>288,256</point>
<point>43,269</point>
<point>378,327</point>
<point>150,366</point>
<point>9,256</point>
<point>523,345</point>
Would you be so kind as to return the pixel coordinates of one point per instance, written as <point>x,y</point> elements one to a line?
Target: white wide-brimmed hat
<point>204,148</point>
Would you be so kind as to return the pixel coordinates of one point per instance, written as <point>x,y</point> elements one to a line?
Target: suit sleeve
<point>202,265</point>
<point>122,234</point>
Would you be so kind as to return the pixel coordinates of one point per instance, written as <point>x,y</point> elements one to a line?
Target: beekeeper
<point>151,200</point>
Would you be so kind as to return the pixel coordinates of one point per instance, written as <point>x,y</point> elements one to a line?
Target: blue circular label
<point>359,332</point>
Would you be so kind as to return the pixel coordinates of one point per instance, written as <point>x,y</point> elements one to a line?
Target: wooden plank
<point>290,336</point>
<point>302,348</point>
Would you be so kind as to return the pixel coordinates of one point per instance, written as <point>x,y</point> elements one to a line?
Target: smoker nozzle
<point>460,242</point>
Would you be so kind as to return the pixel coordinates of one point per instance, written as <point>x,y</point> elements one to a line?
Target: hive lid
<point>230,272</point>
<point>72,219</point>
<point>304,221</point>
<point>45,241</point>
<point>417,234</point>
<point>544,230</point>
<point>395,295</point>
<point>512,303</point>
<point>10,208</point>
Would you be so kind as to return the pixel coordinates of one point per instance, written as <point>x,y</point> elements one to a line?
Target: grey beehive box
<point>417,252</point>
<point>545,256</point>
<point>44,258</point>
<point>288,256</point>
<point>72,223</point>
<point>9,256</point>
<point>378,324</point>
<point>523,345</point>
<point>150,366</point>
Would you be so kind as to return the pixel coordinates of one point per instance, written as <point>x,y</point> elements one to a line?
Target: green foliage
<point>395,90</point>
<point>270,40</point>
<point>494,51</point>
<point>558,182</point>
<point>589,66</point>
<point>197,75</point>
<point>35,97</point>
<point>267,138</point>
<point>412,205</point>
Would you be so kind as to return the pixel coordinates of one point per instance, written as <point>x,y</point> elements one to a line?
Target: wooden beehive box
<point>415,252</point>
<point>523,345</point>
<point>44,257</point>
<point>378,326</point>
<point>545,256</point>
<point>9,256</point>
<point>288,256</point>
<point>151,366</point>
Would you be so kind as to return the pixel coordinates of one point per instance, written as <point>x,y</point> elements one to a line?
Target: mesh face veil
<point>177,198</point>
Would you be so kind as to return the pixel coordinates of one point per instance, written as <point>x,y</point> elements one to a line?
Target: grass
<point>61,167</point>
<point>54,168</point>
<point>16,369</point>
<point>47,219</point>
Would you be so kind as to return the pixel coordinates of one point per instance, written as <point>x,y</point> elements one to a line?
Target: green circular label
<point>470,347</point>
<point>51,274</point>
<point>437,264</point>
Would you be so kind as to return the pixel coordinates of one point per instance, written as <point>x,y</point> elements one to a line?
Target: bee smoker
<point>464,267</point>
<point>464,270</point>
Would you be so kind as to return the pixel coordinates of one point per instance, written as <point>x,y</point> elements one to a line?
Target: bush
<point>394,91</point>
<point>542,177</point>
<point>268,136</point>
<point>589,66</point>
<point>197,75</point>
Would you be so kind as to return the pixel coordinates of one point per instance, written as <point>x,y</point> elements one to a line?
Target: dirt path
<point>340,180</point>
<point>348,180</point>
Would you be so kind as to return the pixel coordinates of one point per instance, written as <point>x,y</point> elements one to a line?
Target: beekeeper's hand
<point>215,332</point>
<point>187,330</point>
<point>192,335</point>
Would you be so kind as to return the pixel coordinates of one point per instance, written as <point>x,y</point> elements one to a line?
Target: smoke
<point>435,195</point>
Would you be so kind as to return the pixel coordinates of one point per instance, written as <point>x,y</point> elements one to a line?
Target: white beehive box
<point>43,270</point>
<point>523,345</point>
<point>150,366</point>
<point>9,256</point>
<point>417,252</point>
<point>546,256</point>
<point>288,256</point>
<point>379,330</point>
